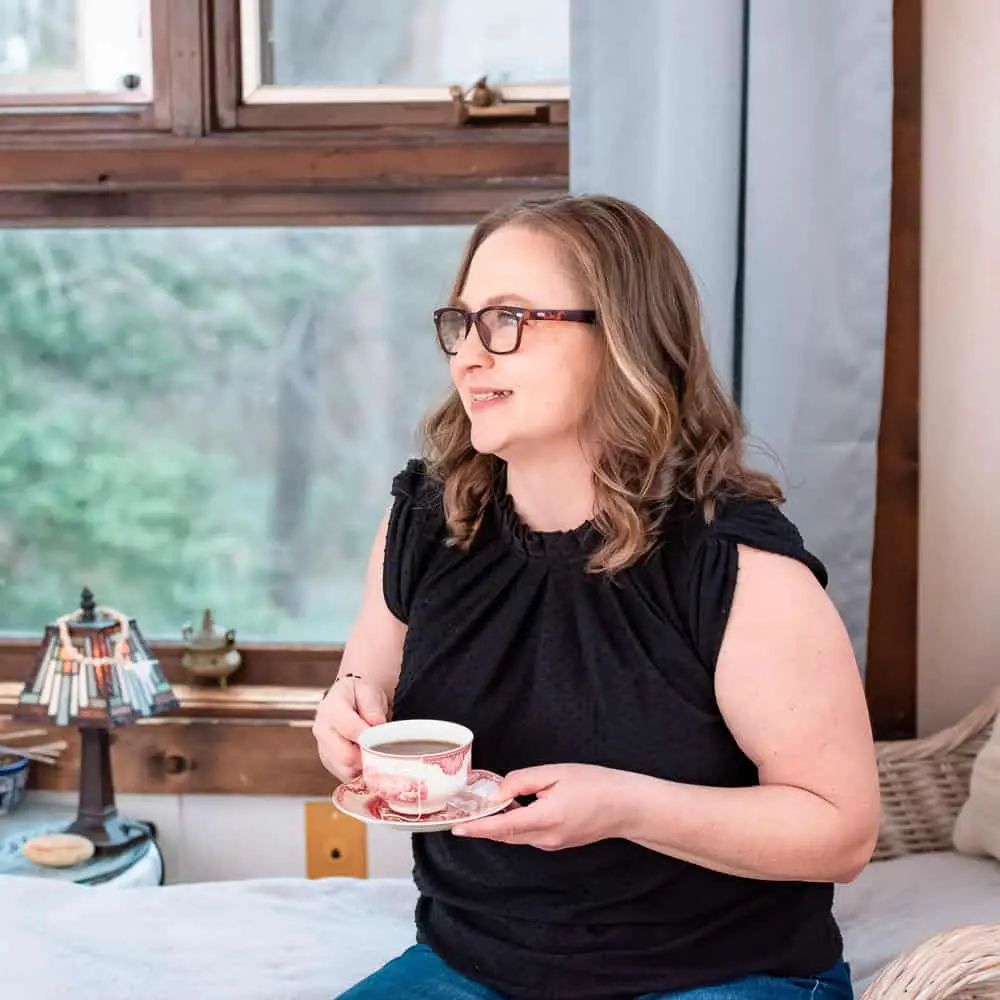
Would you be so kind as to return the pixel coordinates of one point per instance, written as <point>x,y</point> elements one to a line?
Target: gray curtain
<point>759,135</point>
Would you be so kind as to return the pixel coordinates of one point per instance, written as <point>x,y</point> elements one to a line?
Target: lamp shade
<point>94,669</point>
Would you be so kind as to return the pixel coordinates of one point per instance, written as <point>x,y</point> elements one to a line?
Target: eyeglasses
<point>499,327</point>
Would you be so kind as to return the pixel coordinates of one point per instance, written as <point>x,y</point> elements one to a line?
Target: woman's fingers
<point>339,756</point>
<point>371,704</point>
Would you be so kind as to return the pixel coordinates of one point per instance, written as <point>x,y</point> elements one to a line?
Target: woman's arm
<point>374,648</point>
<point>790,691</point>
<point>369,671</point>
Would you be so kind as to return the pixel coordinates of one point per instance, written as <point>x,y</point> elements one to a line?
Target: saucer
<point>473,802</point>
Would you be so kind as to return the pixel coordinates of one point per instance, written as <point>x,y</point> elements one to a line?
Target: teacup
<point>416,765</point>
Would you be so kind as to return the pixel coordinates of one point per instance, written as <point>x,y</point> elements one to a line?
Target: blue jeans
<point>419,974</point>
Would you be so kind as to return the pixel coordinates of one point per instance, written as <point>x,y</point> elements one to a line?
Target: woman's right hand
<point>350,707</point>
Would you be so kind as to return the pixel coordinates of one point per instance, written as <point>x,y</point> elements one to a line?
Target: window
<point>224,225</point>
<point>83,51</point>
<point>397,61</point>
<point>210,417</point>
<point>269,112</point>
<point>401,50</point>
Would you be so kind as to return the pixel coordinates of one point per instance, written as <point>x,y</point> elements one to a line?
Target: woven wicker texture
<point>924,784</point>
<point>963,963</point>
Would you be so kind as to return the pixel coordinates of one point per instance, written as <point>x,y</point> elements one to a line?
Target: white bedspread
<point>294,939</point>
<point>265,939</point>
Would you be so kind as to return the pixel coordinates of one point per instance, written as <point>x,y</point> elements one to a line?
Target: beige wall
<point>959,638</point>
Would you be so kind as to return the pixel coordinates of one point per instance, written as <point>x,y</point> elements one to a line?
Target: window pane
<point>209,418</point>
<point>420,43</point>
<point>74,46</point>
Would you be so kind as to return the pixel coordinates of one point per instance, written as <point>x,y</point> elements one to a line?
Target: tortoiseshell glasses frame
<point>499,327</point>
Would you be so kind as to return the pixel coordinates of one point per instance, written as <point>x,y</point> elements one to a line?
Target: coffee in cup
<point>416,765</point>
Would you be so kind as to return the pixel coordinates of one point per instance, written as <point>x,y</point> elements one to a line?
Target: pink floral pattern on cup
<point>396,787</point>
<point>419,784</point>
<point>472,800</point>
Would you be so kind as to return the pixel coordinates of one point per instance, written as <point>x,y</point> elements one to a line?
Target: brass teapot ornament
<point>210,652</point>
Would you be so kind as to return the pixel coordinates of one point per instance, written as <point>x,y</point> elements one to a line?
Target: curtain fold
<point>658,88</point>
<point>655,119</point>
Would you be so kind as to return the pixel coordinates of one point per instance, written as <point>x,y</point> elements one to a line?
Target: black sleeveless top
<point>547,663</point>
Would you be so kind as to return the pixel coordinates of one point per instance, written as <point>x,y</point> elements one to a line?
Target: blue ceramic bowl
<point>13,784</point>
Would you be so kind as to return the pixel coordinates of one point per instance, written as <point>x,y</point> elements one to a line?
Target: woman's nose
<point>471,351</point>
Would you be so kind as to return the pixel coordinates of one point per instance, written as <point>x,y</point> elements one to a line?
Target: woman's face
<point>534,400</point>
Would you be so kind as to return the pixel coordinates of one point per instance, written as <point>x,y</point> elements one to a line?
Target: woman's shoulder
<point>697,530</point>
<point>698,558</point>
<point>417,515</point>
<point>760,523</point>
<point>414,485</point>
<point>415,532</point>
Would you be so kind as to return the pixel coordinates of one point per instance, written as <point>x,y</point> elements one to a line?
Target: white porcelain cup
<point>416,784</point>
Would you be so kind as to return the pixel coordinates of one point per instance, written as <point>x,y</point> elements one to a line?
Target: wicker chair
<point>924,784</point>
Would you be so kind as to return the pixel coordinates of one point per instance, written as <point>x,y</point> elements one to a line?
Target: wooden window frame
<point>273,106</point>
<point>891,675</point>
<point>58,114</point>
<point>199,156</point>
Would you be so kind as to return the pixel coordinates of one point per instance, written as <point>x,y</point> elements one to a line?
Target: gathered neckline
<point>574,543</point>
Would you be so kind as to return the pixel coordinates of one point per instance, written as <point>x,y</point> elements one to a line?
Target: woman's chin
<point>487,441</point>
<point>488,445</point>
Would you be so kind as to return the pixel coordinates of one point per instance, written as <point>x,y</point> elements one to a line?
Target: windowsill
<point>238,701</point>
<point>245,739</point>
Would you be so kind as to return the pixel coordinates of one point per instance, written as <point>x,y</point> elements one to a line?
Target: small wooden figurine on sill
<point>210,653</point>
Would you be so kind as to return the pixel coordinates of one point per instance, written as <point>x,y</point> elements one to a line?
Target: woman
<point>584,572</point>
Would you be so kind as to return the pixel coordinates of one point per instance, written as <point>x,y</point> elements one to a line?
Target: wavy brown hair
<point>664,424</point>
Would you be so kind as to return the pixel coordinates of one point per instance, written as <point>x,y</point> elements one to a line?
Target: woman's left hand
<point>576,804</point>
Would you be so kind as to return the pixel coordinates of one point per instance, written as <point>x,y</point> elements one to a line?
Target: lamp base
<point>110,834</point>
<point>97,817</point>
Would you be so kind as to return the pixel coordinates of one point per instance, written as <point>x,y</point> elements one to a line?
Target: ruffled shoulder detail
<point>761,524</point>
<point>415,533</point>
<point>714,565</point>
<point>413,482</point>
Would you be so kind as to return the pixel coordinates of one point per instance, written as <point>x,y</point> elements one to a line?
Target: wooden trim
<point>358,176</point>
<point>891,675</point>
<point>159,32</point>
<point>360,207</point>
<point>56,124</point>
<point>380,159</point>
<point>226,61</point>
<point>200,757</point>
<point>245,739</point>
<point>371,114</point>
<point>188,61</point>
<point>261,702</point>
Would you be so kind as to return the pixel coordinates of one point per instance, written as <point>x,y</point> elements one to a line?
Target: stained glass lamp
<point>95,671</point>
